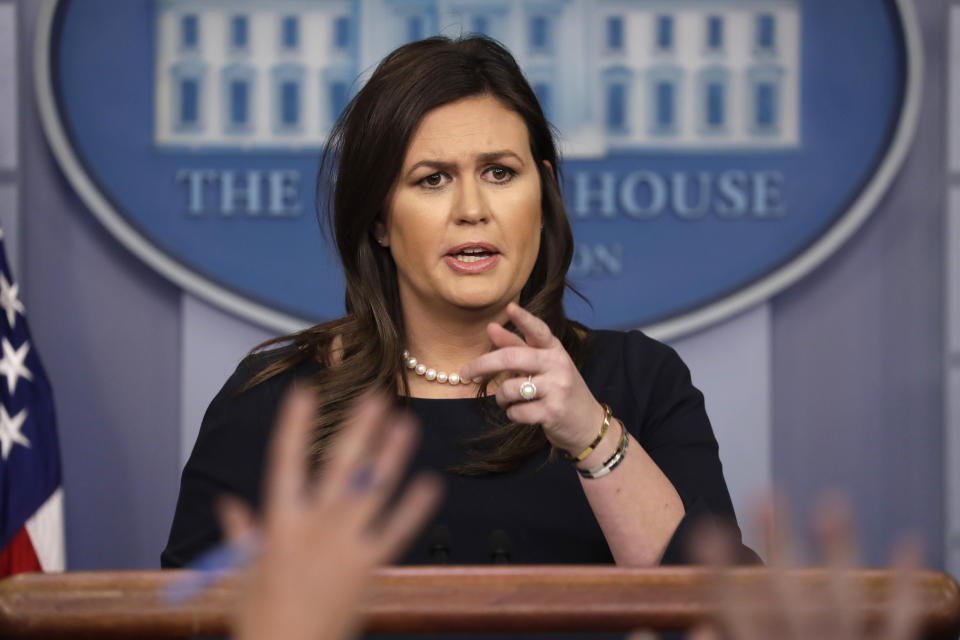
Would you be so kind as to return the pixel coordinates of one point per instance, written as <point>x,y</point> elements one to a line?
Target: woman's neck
<point>445,342</point>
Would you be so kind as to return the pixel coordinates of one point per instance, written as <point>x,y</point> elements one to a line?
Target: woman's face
<point>463,218</point>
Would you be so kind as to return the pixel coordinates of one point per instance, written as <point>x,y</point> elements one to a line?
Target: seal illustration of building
<point>612,75</point>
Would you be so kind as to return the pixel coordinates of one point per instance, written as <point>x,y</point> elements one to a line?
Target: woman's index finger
<point>502,337</point>
<point>535,330</point>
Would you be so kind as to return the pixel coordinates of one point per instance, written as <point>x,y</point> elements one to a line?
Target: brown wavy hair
<point>363,157</point>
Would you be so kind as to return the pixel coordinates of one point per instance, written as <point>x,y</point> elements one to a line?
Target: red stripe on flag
<point>19,556</point>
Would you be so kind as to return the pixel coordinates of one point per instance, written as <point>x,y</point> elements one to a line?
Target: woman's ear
<point>380,234</point>
<point>547,164</point>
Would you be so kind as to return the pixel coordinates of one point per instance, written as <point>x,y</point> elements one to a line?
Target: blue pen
<point>208,568</point>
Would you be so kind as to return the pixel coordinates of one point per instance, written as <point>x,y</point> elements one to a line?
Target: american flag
<point>31,496</point>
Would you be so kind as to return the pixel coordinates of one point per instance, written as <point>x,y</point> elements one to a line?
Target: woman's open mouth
<point>472,258</point>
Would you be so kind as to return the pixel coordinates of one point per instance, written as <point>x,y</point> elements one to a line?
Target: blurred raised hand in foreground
<point>320,538</point>
<point>786,604</point>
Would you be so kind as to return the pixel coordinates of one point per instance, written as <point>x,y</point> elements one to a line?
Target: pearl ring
<point>528,390</point>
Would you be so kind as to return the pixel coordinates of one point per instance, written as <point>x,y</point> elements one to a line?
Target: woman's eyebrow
<point>483,158</point>
<point>438,165</point>
<point>493,156</point>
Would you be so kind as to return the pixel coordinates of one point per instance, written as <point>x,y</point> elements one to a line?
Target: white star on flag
<point>11,365</point>
<point>10,431</point>
<point>10,300</point>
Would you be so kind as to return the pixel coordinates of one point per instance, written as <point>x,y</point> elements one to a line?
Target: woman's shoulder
<point>275,366</point>
<point>634,340</point>
<point>607,347</point>
<point>254,389</point>
<point>631,359</point>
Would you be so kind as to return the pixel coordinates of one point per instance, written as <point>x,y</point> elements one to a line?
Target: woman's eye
<point>433,180</point>
<point>500,174</point>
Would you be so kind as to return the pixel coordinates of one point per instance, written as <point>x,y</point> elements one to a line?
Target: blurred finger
<point>703,632</point>
<point>286,462</point>
<point>714,545</point>
<point>398,445</point>
<point>408,516</point>
<point>789,600</point>
<point>776,526</point>
<point>240,547</point>
<point>236,518</point>
<point>907,602</point>
<point>352,445</point>
<point>535,330</point>
<point>833,522</point>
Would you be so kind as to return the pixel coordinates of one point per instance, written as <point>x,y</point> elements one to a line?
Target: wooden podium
<point>131,604</point>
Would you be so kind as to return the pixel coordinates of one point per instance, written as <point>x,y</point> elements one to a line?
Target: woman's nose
<point>471,205</point>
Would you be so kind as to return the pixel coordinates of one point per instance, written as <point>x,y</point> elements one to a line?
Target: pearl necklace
<point>432,374</point>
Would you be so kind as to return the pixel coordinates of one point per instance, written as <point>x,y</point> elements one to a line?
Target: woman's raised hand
<point>321,537</point>
<point>562,402</point>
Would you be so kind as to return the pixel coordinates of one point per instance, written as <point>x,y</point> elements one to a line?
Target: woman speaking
<point>558,443</point>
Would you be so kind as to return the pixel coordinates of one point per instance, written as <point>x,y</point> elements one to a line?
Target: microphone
<point>500,547</point>
<point>440,544</point>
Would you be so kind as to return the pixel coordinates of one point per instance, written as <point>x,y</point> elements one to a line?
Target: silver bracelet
<point>610,463</point>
